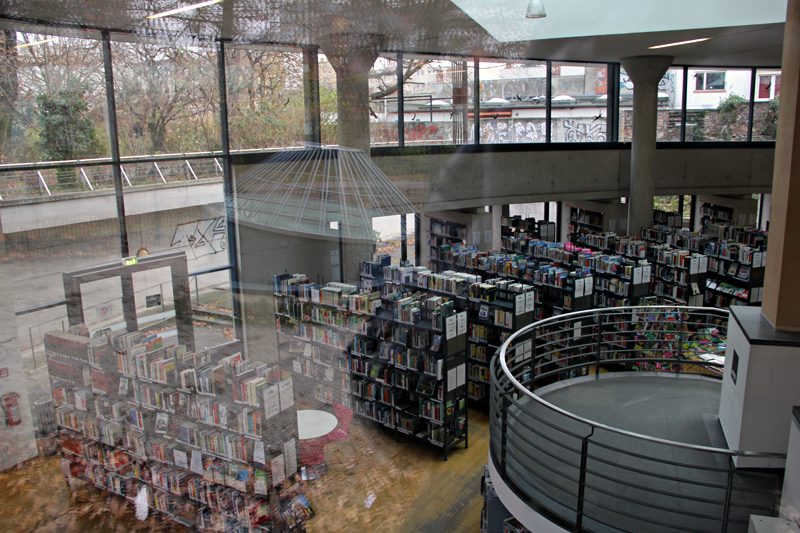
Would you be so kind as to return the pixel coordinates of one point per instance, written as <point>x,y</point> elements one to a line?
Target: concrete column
<point>781,302</point>
<point>352,56</point>
<point>311,95</point>
<point>497,222</point>
<point>645,72</point>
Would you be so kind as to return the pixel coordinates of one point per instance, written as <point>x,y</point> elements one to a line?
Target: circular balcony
<point>606,420</point>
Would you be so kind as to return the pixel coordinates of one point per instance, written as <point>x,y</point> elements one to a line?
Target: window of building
<point>769,86</point>
<point>512,101</point>
<point>709,81</point>
<point>578,100</point>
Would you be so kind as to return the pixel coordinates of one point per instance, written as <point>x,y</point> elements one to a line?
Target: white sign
<point>258,452</point>
<point>530,299</point>
<point>450,327</point>
<point>647,274</point>
<point>278,470</point>
<point>519,304</point>
<point>579,287</point>
<point>290,455</point>
<point>272,404</point>
<point>286,393</point>
<point>462,322</point>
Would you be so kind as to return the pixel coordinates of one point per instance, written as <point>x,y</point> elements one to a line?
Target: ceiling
<point>580,30</point>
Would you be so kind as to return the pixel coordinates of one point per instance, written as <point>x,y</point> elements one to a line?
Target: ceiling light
<point>680,43</point>
<point>183,9</point>
<point>34,43</point>
<point>535,10</point>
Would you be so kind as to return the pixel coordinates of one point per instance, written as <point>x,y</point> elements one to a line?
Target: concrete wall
<point>264,253</point>
<point>468,179</point>
<point>48,212</point>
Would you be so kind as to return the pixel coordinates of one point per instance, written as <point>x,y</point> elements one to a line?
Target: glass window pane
<point>437,100</point>
<point>167,99</point>
<point>52,100</point>
<point>182,209</point>
<point>512,101</point>
<point>670,96</point>
<point>327,101</point>
<point>579,102</point>
<point>383,101</point>
<point>717,105</point>
<point>765,108</point>
<point>265,97</point>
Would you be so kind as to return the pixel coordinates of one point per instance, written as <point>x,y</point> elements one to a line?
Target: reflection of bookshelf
<point>497,308</point>
<point>518,232</point>
<point>667,219</point>
<point>210,435</point>
<point>717,214</point>
<point>314,326</point>
<point>444,234</point>
<point>409,373</point>
<point>582,221</point>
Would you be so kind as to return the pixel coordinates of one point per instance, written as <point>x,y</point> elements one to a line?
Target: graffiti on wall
<point>201,237</point>
<point>518,131</point>
<point>581,132</point>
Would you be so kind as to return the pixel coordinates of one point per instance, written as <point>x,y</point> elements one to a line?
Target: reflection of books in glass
<point>436,343</point>
<point>162,422</point>
<point>426,385</point>
<point>298,511</point>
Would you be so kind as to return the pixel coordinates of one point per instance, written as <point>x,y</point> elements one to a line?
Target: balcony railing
<point>47,180</point>
<point>589,476</point>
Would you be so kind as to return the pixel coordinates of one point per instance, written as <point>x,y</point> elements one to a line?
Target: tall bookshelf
<point>497,308</point>
<point>444,235</point>
<point>735,273</point>
<point>412,376</point>
<point>679,275</point>
<point>206,438</point>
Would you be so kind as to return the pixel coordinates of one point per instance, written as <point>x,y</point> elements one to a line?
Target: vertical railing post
<point>33,351</point>
<point>504,403</point>
<point>726,510</point>
<point>44,183</point>
<point>598,320</point>
<point>582,482</point>
<point>679,351</point>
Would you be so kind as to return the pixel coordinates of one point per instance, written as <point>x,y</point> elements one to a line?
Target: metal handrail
<point>591,423</point>
<point>583,474</point>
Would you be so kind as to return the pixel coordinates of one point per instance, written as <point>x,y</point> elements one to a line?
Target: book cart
<point>205,438</point>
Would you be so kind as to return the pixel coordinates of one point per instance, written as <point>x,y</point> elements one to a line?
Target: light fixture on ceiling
<point>680,43</point>
<point>535,10</point>
<point>35,43</point>
<point>183,9</point>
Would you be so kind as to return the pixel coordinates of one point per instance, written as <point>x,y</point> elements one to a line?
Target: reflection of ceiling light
<point>183,9</point>
<point>680,43</point>
<point>535,10</point>
<point>34,43</point>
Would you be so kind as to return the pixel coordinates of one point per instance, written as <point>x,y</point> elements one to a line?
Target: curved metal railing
<point>589,476</point>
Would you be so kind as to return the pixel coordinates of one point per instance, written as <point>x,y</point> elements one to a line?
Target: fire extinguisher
<point>10,404</point>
